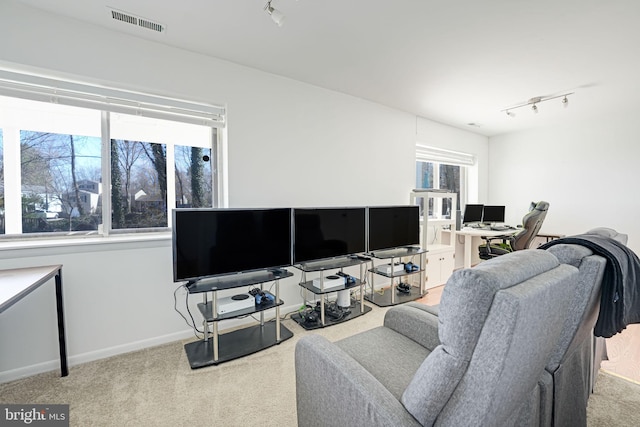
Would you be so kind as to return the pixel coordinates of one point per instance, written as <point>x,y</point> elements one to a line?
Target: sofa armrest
<point>415,321</point>
<point>433,309</point>
<point>332,389</point>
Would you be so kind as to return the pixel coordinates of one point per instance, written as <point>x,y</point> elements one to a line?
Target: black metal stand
<point>219,348</point>
<point>234,345</point>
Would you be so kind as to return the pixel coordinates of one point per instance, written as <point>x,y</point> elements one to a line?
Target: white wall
<point>586,171</point>
<point>118,297</point>
<point>289,144</point>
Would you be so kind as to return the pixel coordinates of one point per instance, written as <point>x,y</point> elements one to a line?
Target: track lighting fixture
<point>533,102</point>
<point>276,15</point>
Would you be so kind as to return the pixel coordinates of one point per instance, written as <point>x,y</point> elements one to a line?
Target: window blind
<point>433,154</point>
<point>44,89</point>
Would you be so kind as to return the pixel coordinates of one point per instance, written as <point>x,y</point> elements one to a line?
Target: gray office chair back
<point>531,224</point>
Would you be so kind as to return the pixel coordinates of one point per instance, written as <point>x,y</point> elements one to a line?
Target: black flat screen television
<point>213,242</point>
<point>492,214</point>
<point>472,213</point>
<point>393,227</point>
<point>322,233</point>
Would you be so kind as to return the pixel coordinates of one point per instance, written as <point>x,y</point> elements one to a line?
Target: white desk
<point>469,233</point>
<point>17,283</point>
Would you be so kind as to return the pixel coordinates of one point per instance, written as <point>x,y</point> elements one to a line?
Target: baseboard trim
<point>615,374</point>
<point>103,353</point>
<point>75,360</point>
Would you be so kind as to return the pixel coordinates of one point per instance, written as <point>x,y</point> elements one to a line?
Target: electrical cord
<point>192,325</point>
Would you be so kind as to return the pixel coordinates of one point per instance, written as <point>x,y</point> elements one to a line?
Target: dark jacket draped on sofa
<point>620,298</point>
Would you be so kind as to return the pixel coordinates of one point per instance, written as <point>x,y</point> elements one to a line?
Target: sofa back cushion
<point>497,325</point>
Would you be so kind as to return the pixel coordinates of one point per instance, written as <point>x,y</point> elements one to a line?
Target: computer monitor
<point>472,214</point>
<point>492,214</point>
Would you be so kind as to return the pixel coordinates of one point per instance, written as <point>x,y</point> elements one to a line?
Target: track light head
<point>276,15</point>
<point>510,113</point>
<point>534,107</point>
<point>565,102</point>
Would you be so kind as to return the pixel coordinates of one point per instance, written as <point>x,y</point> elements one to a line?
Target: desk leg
<point>62,342</point>
<point>468,241</point>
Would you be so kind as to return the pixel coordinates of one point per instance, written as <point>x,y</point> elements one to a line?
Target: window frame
<point>107,101</point>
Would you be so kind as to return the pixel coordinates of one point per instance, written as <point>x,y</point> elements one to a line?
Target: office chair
<point>531,224</point>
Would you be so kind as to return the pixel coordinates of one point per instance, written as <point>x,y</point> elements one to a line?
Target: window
<point>77,170</point>
<point>442,170</point>
<point>193,177</point>
<point>53,166</point>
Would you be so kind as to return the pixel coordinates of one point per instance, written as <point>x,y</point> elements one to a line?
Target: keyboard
<point>500,228</point>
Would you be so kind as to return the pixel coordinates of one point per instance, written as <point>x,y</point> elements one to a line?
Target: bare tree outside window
<point>139,184</point>
<point>449,180</point>
<point>193,177</point>
<point>57,171</point>
<point>439,176</point>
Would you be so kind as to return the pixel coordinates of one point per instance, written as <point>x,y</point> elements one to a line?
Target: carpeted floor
<point>615,402</point>
<point>156,387</point>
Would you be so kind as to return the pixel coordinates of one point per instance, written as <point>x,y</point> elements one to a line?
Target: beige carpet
<point>156,387</point>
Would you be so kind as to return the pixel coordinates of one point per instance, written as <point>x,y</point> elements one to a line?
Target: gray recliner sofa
<point>477,362</point>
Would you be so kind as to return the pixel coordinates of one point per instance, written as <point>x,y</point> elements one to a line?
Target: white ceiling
<point>452,61</point>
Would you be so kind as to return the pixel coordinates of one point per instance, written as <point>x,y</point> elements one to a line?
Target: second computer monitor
<point>492,214</point>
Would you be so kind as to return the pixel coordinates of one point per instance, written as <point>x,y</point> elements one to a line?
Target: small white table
<point>17,283</point>
<point>469,233</point>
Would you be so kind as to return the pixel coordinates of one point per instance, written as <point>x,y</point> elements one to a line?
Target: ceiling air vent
<point>136,20</point>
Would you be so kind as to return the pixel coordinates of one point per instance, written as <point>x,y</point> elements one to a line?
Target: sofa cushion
<point>390,357</point>
<point>469,293</point>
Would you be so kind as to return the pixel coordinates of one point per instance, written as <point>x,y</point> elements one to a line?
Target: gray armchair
<point>475,363</point>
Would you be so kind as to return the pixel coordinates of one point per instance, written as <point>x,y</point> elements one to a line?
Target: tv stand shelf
<point>391,296</point>
<point>237,280</point>
<point>324,318</point>
<point>218,348</point>
<point>206,309</point>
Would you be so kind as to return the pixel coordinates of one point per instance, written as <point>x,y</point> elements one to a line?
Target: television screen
<point>211,242</point>
<point>393,227</point>
<point>472,213</point>
<point>321,233</point>
<point>493,214</point>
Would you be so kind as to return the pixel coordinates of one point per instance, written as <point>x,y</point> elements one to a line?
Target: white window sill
<point>82,243</point>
